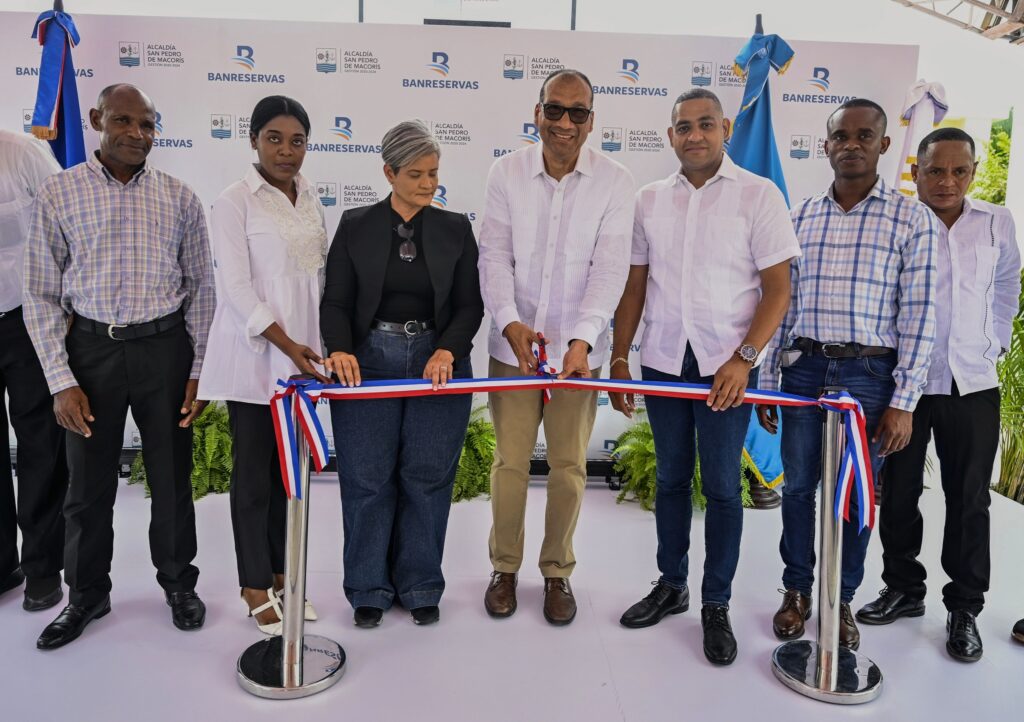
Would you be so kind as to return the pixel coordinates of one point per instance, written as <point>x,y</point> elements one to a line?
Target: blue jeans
<point>868,379</point>
<point>397,460</point>
<point>676,424</point>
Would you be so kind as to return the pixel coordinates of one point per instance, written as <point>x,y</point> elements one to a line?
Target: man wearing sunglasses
<point>712,244</point>
<point>554,255</point>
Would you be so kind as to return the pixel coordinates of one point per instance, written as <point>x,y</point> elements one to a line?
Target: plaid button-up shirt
<point>114,253</point>
<point>866,276</point>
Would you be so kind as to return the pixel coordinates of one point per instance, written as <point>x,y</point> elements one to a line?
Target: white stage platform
<point>134,665</point>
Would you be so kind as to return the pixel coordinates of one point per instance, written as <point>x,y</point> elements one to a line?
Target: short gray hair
<point>407,142</point>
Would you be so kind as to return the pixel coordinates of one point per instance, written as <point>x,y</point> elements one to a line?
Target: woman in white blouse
<point>269,248</point>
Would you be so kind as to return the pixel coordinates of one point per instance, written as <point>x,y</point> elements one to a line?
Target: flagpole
<point>823,670</point>
<point>294,664</point>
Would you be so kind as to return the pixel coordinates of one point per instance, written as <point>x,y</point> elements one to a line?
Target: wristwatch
<point>748,353</point>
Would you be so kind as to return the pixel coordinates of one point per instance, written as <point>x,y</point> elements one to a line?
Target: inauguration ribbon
<point>855,468</point>
<point>544,369</point>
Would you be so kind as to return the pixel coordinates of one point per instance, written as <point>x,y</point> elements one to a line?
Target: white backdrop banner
<point>476,86</point>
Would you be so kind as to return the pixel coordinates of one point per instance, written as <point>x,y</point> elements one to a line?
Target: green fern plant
<point>1011,412</point>
<point>636,464</point>
<point>211,454</point>
<point>473,476</point>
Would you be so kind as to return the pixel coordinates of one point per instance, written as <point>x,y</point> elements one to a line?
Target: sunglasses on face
<point>554,111</point>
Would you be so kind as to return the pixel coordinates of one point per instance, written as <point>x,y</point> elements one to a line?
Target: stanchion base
<point>259,667</point>
<point>795,664</point>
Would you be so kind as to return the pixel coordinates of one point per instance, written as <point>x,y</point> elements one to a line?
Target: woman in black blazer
<point>402,300</point>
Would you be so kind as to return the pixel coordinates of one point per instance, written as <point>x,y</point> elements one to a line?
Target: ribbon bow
<point>544,369</point>
<point>307,392</point>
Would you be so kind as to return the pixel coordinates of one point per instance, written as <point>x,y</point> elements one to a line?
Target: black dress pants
<point>42,465</point>
<point>147,375</point>
<point>966,432</point>
<point>258,501</point>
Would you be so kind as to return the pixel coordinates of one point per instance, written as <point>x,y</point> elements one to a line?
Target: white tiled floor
<point>134,665</point>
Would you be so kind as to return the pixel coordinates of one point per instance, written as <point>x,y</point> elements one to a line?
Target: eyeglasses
<point>406,249</point>
<point>554,111</point>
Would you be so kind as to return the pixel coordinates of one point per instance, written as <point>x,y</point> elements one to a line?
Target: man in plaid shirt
<point>861,318</point>
<point>118,302</point>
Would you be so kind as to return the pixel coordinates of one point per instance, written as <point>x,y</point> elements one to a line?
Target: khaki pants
<point>568,420</point>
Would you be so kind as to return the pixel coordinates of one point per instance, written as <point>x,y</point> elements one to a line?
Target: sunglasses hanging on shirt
<point>406,249</point>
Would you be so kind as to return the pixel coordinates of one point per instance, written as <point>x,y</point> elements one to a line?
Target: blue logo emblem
<point>220,126</point>
<point>701,72</point>
<point>530,135</point>
<point>439,63</point>
<point>819,79</point>
<point>440,199</point>
<point>159,123</point>
<point>342,127</point>
<point>630,70</point>
<point>243,57</point>
<point>800,146</point>
<point>513,68</point>
<point>26,119</point>
<point>326,60</point>
<point>611,139</point>
<point>327,193</point>
<point>128,54</point>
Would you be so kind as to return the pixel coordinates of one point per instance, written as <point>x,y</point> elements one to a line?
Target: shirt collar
<point>93,164</point>
<point>254,181</point>
<point>727,169</point>
<point>879,190</point>
<point>584,163</point>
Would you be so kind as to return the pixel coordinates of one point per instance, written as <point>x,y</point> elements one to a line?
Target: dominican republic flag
<point>57,117</point>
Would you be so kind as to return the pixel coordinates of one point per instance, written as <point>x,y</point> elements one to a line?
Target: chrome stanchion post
<point>823,670</point>
<point>294,664</point>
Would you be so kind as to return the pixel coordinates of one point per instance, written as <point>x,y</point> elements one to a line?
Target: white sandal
<point>309,613</point>
<point>273,628</point>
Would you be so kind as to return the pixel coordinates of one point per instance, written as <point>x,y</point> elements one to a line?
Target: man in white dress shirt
<point>976,295</point>
<point>42,467</point>
<point>554,255</point>
<point>712,244</point>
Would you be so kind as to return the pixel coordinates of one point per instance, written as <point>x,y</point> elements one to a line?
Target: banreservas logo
<point>245,57</point>
<point>820,82</point>
<point>630,74</point>
<point>441,201</point>
<point>529,136</point>
<point>162,141</point>
<point>440,64</point>
<point>33,71</point>
<point>343,129</point>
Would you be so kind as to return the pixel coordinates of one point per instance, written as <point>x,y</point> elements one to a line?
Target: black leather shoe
<point>963,641</point>
<point>44,601</point>
<point>70,623</point>
<point>12,580</point>
<point>1018,631</point>
<point>650,610</point>
<point>187,610</point>
<point>719,642</point>
<point>368,617</point>
<point>425,615</point>
<point>890,606</point>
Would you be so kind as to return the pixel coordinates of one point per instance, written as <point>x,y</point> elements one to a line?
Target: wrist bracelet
<point>623,359</point>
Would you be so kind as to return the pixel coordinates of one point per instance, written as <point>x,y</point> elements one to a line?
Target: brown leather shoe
<point>559,604</point>
<point>500,597</point>
<point>849,635</point>
<point>788,622</point>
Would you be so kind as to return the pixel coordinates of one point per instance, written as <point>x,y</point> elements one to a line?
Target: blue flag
<point>752,147</point>
<point>57,116</point>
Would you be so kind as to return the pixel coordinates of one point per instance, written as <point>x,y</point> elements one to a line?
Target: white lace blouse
<point>269,261</point>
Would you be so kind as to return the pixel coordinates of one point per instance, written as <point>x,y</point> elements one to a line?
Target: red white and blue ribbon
<point>544,369</point>
<point>855,469</point>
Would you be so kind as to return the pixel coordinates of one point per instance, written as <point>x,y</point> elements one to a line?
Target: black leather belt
<point>409,328</point>
<point>839,350</point>
<point>130,331</point>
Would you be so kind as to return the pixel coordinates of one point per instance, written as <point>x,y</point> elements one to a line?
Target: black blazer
<point>358,260</point>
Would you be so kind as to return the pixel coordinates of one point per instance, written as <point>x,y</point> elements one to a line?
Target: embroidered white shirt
<point>269,261</point>
<point>705,248</point>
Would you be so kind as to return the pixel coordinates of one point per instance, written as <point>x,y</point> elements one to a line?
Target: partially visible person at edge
<point>554,255</point>
<point>977,287</point>
<point>402,300</point>
<point>727,233</point>
<point>119,250</point>
<point>862,317</point>
<point>42,464</point>
<point>269,249</point>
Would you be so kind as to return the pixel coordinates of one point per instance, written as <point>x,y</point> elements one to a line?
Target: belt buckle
<point>825,346</point>
<point>405,327</point>
<point>110,330</point>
